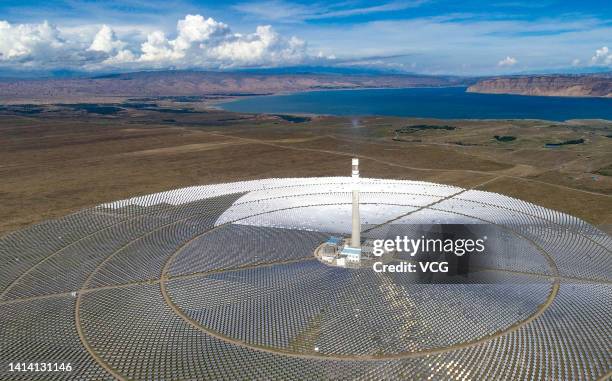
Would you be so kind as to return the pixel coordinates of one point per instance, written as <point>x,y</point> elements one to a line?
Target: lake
<point>444,103</point>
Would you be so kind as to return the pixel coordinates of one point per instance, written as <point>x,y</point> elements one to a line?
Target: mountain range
<point>201,83</point>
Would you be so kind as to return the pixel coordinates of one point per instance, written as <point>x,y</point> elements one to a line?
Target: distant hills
<point>199,83</point>
<point>190,83</point>
<point>571,85</point>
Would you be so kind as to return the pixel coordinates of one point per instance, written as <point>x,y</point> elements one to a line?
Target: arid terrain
<point>199,83</point>
<point>210,85</point>
<point>593,85</point>
<point>59,159</point>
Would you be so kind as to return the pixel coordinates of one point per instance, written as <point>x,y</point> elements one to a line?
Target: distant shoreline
<point>227,84</point>
<point>230,99</point>
<point>507,106</point>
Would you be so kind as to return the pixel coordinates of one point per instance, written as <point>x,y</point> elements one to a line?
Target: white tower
<point>356,232</point>
<point>352,249</point>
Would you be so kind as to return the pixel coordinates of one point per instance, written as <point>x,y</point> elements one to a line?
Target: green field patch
<point>423,127</point>
<point>94,108</point>
<point>566,142</point>
<point>504,138</point>
<point>293,118</point>
<point>24,109</point>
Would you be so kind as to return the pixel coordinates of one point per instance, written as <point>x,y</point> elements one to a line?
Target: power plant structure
<point>356,232</point>
<point>352,250</point>
<point>346,252</point>
<point>216,282</point>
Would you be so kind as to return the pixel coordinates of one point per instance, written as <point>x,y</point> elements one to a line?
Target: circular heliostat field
<point>220,282</point>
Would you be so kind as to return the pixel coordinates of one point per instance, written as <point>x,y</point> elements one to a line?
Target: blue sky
<point>423,36</point>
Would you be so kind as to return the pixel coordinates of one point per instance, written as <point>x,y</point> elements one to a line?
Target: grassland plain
<point>58,159</point>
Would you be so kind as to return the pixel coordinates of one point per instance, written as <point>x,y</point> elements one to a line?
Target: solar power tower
<point>356,234</point>
<point>353,249</point>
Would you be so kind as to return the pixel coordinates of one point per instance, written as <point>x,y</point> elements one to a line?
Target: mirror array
<point>220,282</point>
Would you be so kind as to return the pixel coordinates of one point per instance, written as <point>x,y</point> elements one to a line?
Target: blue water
<point>444,103</point>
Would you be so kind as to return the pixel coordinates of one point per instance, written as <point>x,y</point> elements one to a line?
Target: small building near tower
<point>352,254</point>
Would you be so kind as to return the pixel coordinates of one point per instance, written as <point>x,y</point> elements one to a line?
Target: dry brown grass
<point>51,165</point>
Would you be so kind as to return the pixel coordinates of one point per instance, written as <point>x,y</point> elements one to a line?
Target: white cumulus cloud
<point>602,56</point>
<point>508,61</point>
<point>106,41</point>
<point>198,42</point>
<point>206,42</point>
<point>265,46</point>
<point>28,41</point>
<point>158,49</point>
